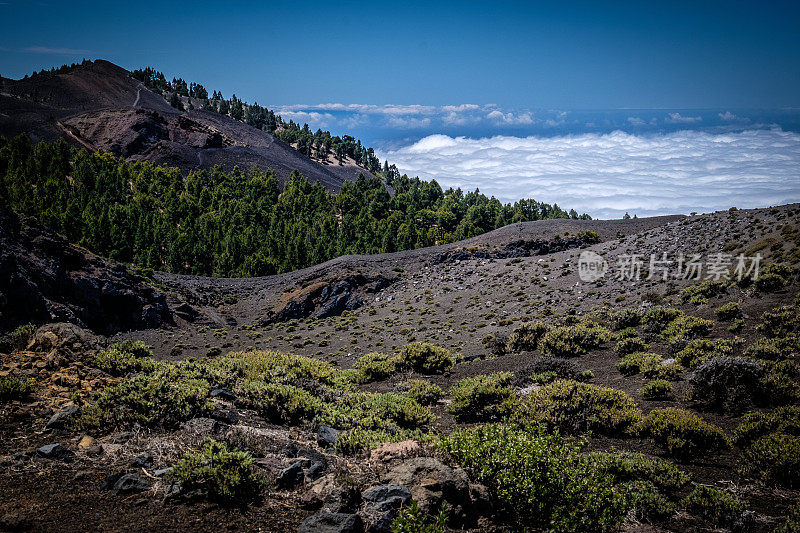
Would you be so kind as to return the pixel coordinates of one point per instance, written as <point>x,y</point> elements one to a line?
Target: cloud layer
<point>608,175</point>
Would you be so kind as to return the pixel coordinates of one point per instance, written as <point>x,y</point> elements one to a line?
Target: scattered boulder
<point>55,452</point>
<point>382,504</point>
<point>226,416</point>
<point>62,417</point>
<point>86,442</point>
<point>327,436</point>
<point>130,484</point>
<point>434,484</point>
<point>390,451</point>
<point>291,476</point>
<point>332,523</point>
<point>329,298</point>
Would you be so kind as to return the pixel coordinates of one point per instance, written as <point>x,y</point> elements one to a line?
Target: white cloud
<point>607,175</point>
<point>676,118</point>
<point>636,121</point>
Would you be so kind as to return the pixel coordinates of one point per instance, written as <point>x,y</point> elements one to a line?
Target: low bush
<point>781,382</point>
<point>792,522</point>
<point>126,357</point>
<point>625,318</point>
<point>359,439</point>
<point>754,425</point>
<point>670,372</point>
<point>221,475</point>
<point>773,459</point>
<point>21,336</point>
<point>700,292</point>
<point>14,387</point>
<point>627,333</point>
<point>726,383</point>
<point>424,392</point>
<point>780,322</point>
<point>773,277</point>
<point>769,349</point>
<point>572,341</point>
<point>482,398</point>
<point>656,318</point>
<point>701,350</point>
<point>687,327</point>
<point>631,345</point>
<point>650,484</point>
<point>542,480</point>
<point>718,506</point>
<point>657,389</point>
<point>682,434</point>
<point>526,337</point>
<point>427,358</point>
<point>728,311</point>
<point>574,407</point>
<point>377,366</point>
<point>496,345</point>
<point>411,519</point>
<point>646,363</point>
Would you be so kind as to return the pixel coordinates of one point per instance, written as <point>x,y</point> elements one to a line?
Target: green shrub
<point>281,402</point>
<point>630,466</point>
<point>657,389</point>
<point>649,483</point>
<point>669,372</point>
<point>411,519</point>
<point>781,382</point>
<point>573,407</point>
<point>631,345</point>
<point>551,368</point>
<point>424,392</point>
<point>774,459</point>
<point>773,277</point>
<point>792,523</point>
<point>726,383</point>
<point>769,349</point>
<point>126,357</point>
<point>700,293</point>
<point>542,480</point>
<point>427,358</point>
<point>627,333</point>
<point>720,507</point>
<point>482,398</point>
<point>377,366</point>
<point>157,399</point>
<point>21,336</point>
<point>14,387</point>
<point>701,350</point>
<point>657,318</point>
<point>728,311</point>
<point>682,434</point>
<point>687,327</point>
<point>780,322</point>
<point>572,341</point>
<point>625,318</point>
<point>526,337</point>
<point>785,419</point>
<point>646,363</point>
<point>221,475</point>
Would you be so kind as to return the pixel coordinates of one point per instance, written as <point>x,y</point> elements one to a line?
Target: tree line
<point>238,223</point>
<point>314,144</point>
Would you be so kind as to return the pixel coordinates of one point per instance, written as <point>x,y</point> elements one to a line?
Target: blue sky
<point>521,55</point>
<point>602,106</point>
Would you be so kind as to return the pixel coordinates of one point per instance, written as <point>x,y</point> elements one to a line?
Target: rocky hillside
<point>99,106</point>
<point>480,386</point>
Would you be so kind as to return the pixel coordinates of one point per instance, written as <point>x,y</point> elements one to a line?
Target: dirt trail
<point>138,96</point>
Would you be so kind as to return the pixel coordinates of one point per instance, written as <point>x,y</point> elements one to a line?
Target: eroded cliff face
<point>43,278</point>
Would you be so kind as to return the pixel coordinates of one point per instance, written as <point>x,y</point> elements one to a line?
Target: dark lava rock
<point>130,484</point>
<point>316,471</point>
<point>59,420</point>
<point>383,503</point>
<point>291,476</point>
<point>45,279</point>
<point>322,300</point>
<point>224,393</point>
<point>226,416</point>
<point>144,460</point>
<point>327,436</point>
<point>332,523</point>
<point>55,451</point>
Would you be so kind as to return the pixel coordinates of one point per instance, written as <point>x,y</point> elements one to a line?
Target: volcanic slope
<point>99,106</point>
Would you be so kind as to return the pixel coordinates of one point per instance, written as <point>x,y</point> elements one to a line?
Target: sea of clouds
<point>609,174</point>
